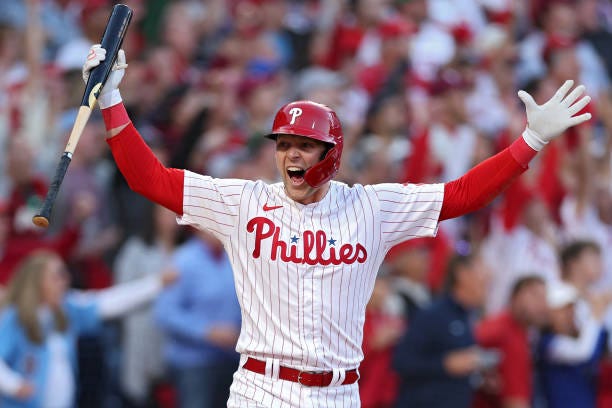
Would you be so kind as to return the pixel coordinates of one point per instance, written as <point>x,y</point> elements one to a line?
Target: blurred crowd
<point>507,307</point>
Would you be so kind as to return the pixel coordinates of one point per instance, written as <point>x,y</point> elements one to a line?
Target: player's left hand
<point>545,122</point>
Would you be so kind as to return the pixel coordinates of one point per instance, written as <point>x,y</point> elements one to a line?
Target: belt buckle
<point>299,377</point>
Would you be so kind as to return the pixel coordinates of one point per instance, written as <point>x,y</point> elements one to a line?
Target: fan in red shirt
<point>381,331</point>
<point>508,332</point>
<point>27,193</point>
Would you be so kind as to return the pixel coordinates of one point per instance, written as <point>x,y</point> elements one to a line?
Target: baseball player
<point>306,251</point>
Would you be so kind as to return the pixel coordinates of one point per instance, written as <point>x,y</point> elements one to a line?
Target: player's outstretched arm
<point>484,182</point>
<point>144,173</point>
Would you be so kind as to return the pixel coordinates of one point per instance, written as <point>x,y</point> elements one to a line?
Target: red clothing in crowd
<point>420,167</point>
<point>604,385</point>
<point>440,250</point>
<point>377,381</point>
<point>504,333</point>
<point>346,40</point>
<point>24,201</point>
<point>18,248</point>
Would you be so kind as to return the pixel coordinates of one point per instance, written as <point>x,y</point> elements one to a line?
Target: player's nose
<point>293,152</point>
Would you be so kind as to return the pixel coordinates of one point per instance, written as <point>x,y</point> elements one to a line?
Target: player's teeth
<point>294,169</point>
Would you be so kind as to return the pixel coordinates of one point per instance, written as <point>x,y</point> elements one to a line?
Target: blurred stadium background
<point>425,89</point>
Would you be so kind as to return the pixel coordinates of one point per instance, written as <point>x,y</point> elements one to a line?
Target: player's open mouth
<point>296,175</point>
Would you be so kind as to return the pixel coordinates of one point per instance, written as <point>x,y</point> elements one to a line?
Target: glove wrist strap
<point>533,139</point>
<point>108,99</point>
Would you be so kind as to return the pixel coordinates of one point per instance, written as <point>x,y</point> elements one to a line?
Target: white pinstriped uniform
<point>304,273</point>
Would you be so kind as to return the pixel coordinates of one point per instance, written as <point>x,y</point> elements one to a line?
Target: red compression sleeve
<point>115,116</point>
<point>479,186</point>
<point>144,172</point>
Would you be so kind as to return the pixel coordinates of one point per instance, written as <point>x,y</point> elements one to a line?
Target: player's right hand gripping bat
<point>111,41</point>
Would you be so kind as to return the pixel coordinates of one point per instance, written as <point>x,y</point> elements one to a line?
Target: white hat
<point>311,79</point>
<point>71,56</point>
<point>560,294</point>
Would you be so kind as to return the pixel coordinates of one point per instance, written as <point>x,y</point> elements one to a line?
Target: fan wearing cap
<point>570,356</point>
<point>306,251</point>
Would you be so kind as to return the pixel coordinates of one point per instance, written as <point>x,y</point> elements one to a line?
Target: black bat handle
<point>42,219</point>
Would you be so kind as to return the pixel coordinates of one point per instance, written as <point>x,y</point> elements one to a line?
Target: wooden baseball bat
<point>112,39</point>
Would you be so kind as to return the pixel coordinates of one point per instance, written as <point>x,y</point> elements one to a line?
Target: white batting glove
<point>109,95</point>
<point>545,122</point>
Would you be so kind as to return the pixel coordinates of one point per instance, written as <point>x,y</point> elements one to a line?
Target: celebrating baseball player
<point>306,251</point>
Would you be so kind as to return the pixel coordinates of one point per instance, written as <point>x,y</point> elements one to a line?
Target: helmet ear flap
<point>324,170</point>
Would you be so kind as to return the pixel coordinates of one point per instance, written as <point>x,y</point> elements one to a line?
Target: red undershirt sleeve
<point>144,173</point>
<point>479,186</point>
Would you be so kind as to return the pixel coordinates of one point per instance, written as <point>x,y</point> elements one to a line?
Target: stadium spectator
<point>92,17</point>
<point>437,359</point>
<point>510,333</point>
<point>381,152</point>
<point>446,147</point>
<point>409,266</point>
<point>147,254</point>
<point>586,211</point>
<point>559,25</point>
<point>353,37</point>
<point>200,317</point>
<point>594,30</point>
<point>581,266</point>
<point>528,246</point>
<point>40,322</point>
<point>28,189</point>
<point>89,179</point>
<point>381,331</point>
<point>569,355</point>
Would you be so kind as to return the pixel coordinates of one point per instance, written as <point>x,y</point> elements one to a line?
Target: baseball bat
<point>112,39</point>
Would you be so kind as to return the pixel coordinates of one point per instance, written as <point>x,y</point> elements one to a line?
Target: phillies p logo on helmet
<point>295,113</point>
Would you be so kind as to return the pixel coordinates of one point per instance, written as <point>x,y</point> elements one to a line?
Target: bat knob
<point>40,221</point>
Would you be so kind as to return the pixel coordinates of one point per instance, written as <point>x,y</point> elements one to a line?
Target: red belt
<point>307,378</point>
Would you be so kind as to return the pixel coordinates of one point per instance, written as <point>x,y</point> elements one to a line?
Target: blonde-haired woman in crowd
<point>40,321</point>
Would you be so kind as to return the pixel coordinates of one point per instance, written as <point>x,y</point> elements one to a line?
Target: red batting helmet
<point>315,121</point>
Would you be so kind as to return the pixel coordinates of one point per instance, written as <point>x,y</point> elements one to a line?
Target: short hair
<point>524,282</point>
<point>574,250</point>
<point>456,262</point>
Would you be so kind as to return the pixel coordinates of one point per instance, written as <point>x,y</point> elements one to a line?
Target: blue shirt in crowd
<point>570,385</point>
<point>442,327</point>
<point>202,297</point>
<point>31,360</point>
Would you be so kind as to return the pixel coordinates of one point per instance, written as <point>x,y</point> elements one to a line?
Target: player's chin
<point>296,191</point>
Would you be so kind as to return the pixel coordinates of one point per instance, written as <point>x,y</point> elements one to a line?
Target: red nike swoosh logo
<point>266,208</point>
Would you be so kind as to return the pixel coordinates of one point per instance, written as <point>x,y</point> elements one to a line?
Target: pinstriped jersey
<point>304,273</point>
